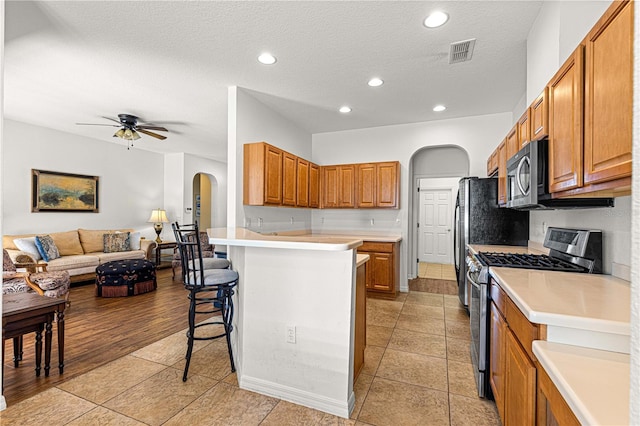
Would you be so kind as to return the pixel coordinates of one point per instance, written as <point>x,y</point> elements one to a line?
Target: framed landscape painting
<point>63,192</point>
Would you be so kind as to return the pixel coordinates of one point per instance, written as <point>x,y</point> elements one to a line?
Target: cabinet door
<point>367,183</point>
<point>497,358</point>
<point>302,186</point>
<point>520,385</point>
<point>565,124</point>
<point>540,116</point>
<point>388,182</point>
<point>524,133</point>
<point>330,186</point>
<point>382,271</point>
<point>502,174</point>
<point>273,175</point>
<point>346,185</point>
<point>289,178</point>
<point>609,96</point>
<point>314,185</point>
<point>512,142</point>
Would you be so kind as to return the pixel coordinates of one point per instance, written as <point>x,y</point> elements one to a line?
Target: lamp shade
<point>158,216</point>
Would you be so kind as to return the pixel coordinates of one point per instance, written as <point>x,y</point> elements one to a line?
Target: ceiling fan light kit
<point>130,129</point>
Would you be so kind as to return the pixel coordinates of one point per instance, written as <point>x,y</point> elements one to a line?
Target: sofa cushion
<point>47,247</point>
<point>28,245</point>
<point>73,262</point>
<point>7,240</point>
<point>92,240</point>
<point>116,242</point>
<point>120,255</point>
<point>68,243</point>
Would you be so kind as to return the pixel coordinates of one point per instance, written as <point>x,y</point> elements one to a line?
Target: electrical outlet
<point>291,334</point>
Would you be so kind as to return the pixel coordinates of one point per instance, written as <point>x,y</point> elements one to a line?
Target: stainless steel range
<point>570,250</point>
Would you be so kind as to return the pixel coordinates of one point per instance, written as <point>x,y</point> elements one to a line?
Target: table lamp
<point>158,217</point>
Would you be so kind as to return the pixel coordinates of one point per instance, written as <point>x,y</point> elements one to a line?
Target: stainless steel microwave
<point>527,182</point>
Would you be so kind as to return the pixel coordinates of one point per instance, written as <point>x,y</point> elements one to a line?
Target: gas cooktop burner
<point>528,261</point>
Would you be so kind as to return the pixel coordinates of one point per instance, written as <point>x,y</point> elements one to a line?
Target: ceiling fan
<point>129,127</point>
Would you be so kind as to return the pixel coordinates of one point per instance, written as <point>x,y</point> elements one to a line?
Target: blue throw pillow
<point>47,248</point>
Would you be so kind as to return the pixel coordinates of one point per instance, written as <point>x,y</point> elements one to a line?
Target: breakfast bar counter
<point>294,324</point>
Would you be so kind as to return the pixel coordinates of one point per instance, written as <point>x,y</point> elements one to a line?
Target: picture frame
<point>64,192</point>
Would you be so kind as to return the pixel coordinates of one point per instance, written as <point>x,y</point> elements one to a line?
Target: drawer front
<point>376,247</point>
<point>499,297</point>
<point>525,331</point>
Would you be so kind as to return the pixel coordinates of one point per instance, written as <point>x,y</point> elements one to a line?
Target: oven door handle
<point>473,283</point>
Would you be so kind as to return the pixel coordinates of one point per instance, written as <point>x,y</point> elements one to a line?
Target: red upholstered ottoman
<point>120,278</point>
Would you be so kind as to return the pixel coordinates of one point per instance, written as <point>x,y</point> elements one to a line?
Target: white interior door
<point>434,231</point>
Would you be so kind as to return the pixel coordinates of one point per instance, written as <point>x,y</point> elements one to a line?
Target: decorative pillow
<point>92,240</point>
<point>68,243</point>
<point>28,245</point>
<point>116,242</point>
<point>134,240</point>
<point>47,247</point>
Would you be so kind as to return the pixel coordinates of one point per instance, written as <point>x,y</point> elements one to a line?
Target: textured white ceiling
<point>171,62</point>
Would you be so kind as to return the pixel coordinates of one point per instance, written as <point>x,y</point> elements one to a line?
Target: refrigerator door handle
<point>456,212</point>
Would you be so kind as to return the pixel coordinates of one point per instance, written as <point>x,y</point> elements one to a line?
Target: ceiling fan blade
<point>112,119</point>
<point>151,128</point>
<point>154,135</point>
<point>95,124</point>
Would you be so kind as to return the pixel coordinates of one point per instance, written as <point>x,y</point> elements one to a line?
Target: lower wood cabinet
<point>520,385</point>
<point>552,409</point>
<point>360,329</point>
<point>383,268</point>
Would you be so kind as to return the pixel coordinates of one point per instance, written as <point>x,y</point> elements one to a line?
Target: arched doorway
<point>203,198</point>
<point>434,175</point>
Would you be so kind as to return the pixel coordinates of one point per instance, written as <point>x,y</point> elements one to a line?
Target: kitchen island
<point>294,324</point>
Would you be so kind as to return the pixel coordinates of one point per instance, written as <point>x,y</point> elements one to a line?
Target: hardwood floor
<point>99,330</point>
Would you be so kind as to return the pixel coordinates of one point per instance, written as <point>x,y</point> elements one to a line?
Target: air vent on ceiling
<point>461,51</point>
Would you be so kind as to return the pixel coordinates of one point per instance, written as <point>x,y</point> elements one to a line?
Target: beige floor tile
<point>461,379</point>
<point>331,420</point>
<point>42,408</point>
<point>378,336</point>
<point>456,314</point>
<point>103,383</point>
<point>231,379</point>
<point>419,343</point>
<point>286,413</point>
<point>474,411</point>
<point>383,318</point>
<point>458,350</point>
<point>423,311</point>
<point>383,305</point>
<point>360,389</point>
<point>160,397</point>
<point>211,361</point>
<point>428,299</point>
<point>413,368</point>
<point>393,403</point>
<point>104,417</point>
<point>372,357</point>
<point>401,297</point>
<point>169,350</point>
<point>421,324</point>
<point>221,404</point>
<point>452,301</point>
<point>458,329</point>
<point>433,274</point>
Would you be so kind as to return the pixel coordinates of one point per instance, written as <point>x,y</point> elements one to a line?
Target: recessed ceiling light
<point>436,19</point>
<point>439,108</point>
<point>344,109</point>
<point>375,82</point>
<point>267,59</point>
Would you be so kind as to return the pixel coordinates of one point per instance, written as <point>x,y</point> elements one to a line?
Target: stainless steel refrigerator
<point>479,220</point>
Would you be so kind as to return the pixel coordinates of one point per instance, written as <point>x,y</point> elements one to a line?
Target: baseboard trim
<point>300,397</point>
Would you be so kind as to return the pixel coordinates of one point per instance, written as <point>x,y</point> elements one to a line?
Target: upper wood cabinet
<point>565,124</point>
<point>262,183</point>
<point>608,107</point>
<point>524,132</point>
<point>502,173</point>
<point>302,186</point>
<point>314,185</point>
<point>346,185</point>
<point>289,179</point>
<point>492,163</point>
<point>330,186</point>
<point>539,117</point>
<point>378,185</point>
<point>512,142</point>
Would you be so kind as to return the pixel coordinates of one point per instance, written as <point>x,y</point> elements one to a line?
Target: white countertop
<point>594,383</point>
<point>361,259</point>
<point>245,238</point>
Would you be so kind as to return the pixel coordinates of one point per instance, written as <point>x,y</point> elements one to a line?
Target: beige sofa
<point>80,251</point>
